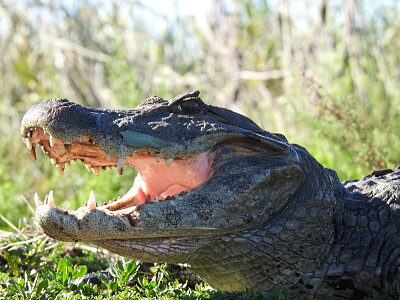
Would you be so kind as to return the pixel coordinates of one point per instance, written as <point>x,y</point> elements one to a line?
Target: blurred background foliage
<point>325,73</point>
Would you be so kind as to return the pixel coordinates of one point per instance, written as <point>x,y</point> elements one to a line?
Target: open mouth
<point>158,179</point>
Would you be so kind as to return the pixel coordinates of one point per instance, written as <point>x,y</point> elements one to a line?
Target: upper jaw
<point>70,122</point>
<point>121,132</point>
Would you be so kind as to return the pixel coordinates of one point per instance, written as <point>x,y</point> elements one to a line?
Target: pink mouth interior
<point>157,177</point>
<point>157,180</point>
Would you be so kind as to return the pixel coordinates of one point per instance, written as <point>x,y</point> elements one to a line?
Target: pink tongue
<point>174,189</point>
<point>159,180</point>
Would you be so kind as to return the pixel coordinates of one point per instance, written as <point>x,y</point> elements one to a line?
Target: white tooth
<point>42,147</point>
<point>158,158</point>
<point>50,199</point>
<point>168,161</point>
<point>88,167</point>
<point>29,134</point>
<point>91,204</point>
<point>51,141</point>
<point>28,143</point>
<point>156,198</point>
<point>53,161</point>
<point>108,156</point>
<point>96,171</point>
<point>120,165</point>
<point>162,198</point>
<point>38,202</point>
<point>32,151</point>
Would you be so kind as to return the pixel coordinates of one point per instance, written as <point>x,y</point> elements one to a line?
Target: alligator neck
<point>365,254</point>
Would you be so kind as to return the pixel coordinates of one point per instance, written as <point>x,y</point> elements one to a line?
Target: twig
<point>194,79</point>
<point>29,205</point>
<point>9,223</point>
<point>79,49</point>
<point>23,242</point>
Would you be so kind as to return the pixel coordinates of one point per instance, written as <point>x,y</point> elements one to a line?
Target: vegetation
<point>324,73</point>
<point>33,269</point>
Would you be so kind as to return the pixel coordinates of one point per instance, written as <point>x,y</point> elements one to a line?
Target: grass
<point>36,267</point>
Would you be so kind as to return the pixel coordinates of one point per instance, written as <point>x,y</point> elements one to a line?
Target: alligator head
<point>213,190</point>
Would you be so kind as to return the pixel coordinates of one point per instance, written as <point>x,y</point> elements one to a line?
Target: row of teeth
<point>49,200</point>
<point>90,204</point>
<point>67,145</point>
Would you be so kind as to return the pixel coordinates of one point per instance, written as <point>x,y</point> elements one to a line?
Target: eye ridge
<point>189,107</point>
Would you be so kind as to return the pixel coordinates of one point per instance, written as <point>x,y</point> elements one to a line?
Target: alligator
<point>242,207</point>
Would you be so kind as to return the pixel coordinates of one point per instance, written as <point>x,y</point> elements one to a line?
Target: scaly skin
<point>248,210</point>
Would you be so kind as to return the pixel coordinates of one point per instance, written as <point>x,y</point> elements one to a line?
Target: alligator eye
<point>189,107</point>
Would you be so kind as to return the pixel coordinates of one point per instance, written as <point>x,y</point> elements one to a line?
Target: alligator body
<point>242,207</point>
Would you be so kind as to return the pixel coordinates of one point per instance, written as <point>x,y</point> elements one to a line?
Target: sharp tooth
<point>32,151</point>
<point>51,141</point>
<point>29,134</point>
<point>38,202</point>
<point>108,156</point>
<point>91,204</point>
<point>168,161</point>
<point>158,158</point>
<point>49,200</point>
<point>61,168</point>
<point>31,147</point>
<point>148,199</point>
<point>42,147</point>
<point>96,171</point>
<point>53,161</point>
<point>88,167</point>
<point>28,143</point>
<point>67,147</point>
<point>162,198</point>
<point>156,199</point>
<point>120,165</point>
